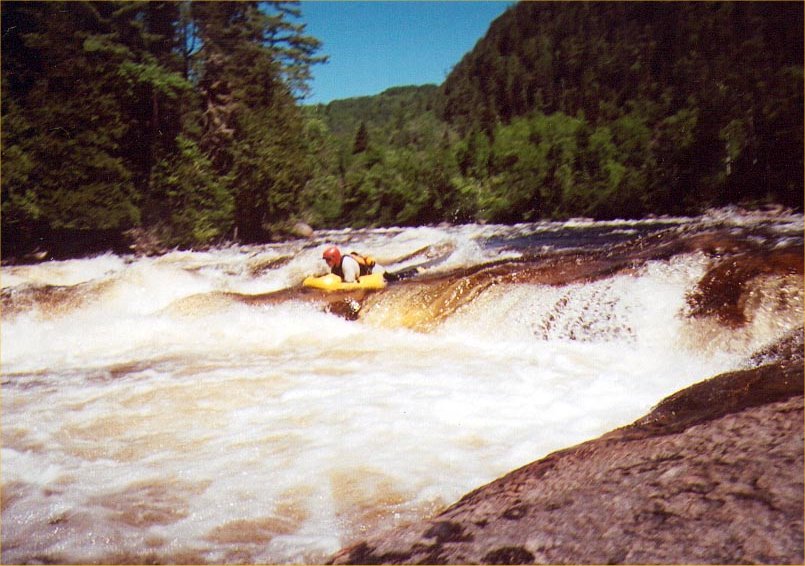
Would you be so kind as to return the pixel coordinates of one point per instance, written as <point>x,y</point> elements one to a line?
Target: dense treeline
<point>177,119</point>
<point>182,121</point>
<point>636,107</point>
<point>612,109</point>
<point>382,160</point>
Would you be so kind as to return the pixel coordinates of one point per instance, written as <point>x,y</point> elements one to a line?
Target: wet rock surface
<point>714,474</point>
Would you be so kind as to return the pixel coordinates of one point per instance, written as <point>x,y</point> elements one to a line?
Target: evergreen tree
<point>361,143</point>
<point>103,102</point>
<point>252,128</point>
<point>292,48</point>
<point>65,125</point>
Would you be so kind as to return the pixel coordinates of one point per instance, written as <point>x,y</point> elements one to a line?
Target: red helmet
<point>332,255</point>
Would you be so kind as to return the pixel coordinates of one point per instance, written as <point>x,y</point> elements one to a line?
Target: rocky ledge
<point>714,474</point>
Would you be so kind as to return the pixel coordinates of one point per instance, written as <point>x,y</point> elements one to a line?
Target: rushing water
<point>199,407</point>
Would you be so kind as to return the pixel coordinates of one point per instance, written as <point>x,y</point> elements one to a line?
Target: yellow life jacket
<point>366,262</point>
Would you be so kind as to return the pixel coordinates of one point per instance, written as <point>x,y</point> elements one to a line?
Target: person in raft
<point>351,266</point>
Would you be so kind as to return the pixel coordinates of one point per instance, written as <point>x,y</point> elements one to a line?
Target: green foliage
<point>252,128</point>
<point>196,205</point>
<point>183,118</point>
<point>389,110</point>
<point>702,102</point>
<point>112,119</point>
<point>162,81</point>
<point>268,170</point>
<point>288,43</point>
<point>361,139</point>
<point>20,202</point>
<point>576,109</point>
<point>534,169</point>
<point>383,160</point>
<point>65,129</point>
<point>321,198</point>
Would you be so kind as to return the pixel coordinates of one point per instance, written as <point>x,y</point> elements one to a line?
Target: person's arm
<point>351,269</point>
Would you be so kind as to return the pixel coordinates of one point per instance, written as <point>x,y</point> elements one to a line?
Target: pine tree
<point>104,102</point>
<point>252,128</point>
<point>66,120</point>
<point>361,143</point>
<point>291,47</point>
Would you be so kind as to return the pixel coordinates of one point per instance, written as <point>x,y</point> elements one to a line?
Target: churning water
<point>199,407</point>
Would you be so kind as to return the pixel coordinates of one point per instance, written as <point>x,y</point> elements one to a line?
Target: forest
<point>185,124</point>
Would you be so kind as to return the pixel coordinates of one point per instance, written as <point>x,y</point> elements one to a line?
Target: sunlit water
<point>147,416</point>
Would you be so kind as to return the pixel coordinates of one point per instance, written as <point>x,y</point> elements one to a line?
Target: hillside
<point>603,110</point>
<point>703,101</point>
<point>394,106</point>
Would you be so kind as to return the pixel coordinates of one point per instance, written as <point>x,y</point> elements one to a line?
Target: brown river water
<point>201,407</point>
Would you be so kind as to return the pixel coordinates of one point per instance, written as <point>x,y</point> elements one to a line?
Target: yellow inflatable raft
<point>332,282</point>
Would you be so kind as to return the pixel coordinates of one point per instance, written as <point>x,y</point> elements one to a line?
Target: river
<point>200,407</point>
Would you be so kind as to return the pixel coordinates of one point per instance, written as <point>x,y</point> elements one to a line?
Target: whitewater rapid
<point>150,413</point>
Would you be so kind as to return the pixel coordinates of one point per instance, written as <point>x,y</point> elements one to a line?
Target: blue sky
<point>375,45</point>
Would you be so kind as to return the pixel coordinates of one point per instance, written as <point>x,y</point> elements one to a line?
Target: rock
<point>146,241</point>
<point>348,308</point>
<point>36,256</point>
<point>302,230</point>
<point>713,475</point>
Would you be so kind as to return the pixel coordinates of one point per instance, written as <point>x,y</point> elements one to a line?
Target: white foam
<point>62,273</point>
<point>248,413</point>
